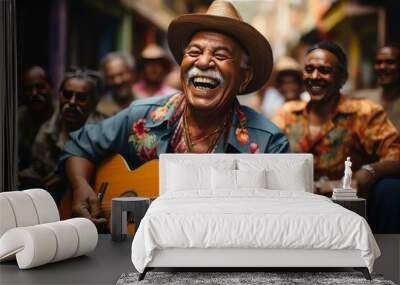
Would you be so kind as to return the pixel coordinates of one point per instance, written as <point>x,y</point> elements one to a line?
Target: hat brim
<point>256,45</point>
<point>165,61</point>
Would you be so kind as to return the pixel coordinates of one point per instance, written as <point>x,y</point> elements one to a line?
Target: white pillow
<point>281,174</point>
<point>188,175</point>
<point>206,162</point>
<point>223,179</point>
<point>183,177</point>
<point>279,180</point>
<point>251,178</point>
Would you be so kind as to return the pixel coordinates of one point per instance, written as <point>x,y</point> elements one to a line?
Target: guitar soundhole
<point>129,193</point>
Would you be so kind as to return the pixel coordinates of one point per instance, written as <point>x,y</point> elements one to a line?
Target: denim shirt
<point>143,131</point>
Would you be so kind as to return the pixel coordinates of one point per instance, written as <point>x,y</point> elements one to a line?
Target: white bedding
<point>251,218</point>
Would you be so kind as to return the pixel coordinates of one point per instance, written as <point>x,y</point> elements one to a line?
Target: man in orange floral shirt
<point>333,127</point>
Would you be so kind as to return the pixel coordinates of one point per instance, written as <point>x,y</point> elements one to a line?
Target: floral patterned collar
<point>151,136</point>
<point>344,106</point>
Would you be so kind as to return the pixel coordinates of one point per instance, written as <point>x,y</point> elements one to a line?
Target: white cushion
<point>269,161</point>
<point>26,208</point>
<point>223,179</point>
<point>67,240</point>
<point>32,246</point>
<point>23,208</point>
<point>281,174</point>
<point>7,218</point>
<point>278,180</point>
<point>44,204</point>
<point>87,235</point>
<point>251,178</point>
<point>185,175</point>
<point>40,244</point>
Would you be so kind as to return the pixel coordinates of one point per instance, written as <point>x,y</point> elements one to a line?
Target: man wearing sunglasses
<point>78,96</point>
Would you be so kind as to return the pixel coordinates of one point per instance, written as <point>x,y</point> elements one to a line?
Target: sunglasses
<point>79,96</point>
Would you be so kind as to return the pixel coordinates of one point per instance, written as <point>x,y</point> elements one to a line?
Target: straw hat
<point>222,17</point>
<point>286,63</point>
<point>154,52</point>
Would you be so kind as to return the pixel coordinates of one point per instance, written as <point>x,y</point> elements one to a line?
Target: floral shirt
<point>359,129</point>
<point>392,107</point>
<point>145,129</point>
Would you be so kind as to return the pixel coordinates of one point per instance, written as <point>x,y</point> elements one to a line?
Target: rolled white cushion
<point>23,208</point>
<point>66,238</point>
<point>46,208</point>
<point>7,218</point>
<point>40,244</point>
<point>87,235</point>
<point>33,246</point>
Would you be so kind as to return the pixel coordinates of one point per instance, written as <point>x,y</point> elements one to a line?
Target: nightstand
<point>119,210</point>
<point>357,205</point>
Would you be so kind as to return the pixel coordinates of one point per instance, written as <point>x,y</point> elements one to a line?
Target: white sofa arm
<point>40,244</point>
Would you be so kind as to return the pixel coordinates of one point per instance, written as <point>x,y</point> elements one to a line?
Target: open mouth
<point>205,83</point>
<point>316,88</point>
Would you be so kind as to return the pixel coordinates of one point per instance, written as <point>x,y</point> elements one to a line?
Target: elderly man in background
<point>289,84</point>
<point>118,70</point>
<point>221,57</point>
<point>78,94</point>
<point>333,127</point>
<point>153,67</point>
<point>37,108</point>
<point>387,70</point>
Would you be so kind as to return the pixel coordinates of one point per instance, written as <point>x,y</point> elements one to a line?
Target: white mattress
<point>252,218</point>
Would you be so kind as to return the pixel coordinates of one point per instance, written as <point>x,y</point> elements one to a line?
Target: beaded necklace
<point>217,132</point>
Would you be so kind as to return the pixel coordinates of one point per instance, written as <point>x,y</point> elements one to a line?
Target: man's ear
<point>247,77</point>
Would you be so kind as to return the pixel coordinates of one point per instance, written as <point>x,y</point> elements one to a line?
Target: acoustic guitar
<point>115,179</point>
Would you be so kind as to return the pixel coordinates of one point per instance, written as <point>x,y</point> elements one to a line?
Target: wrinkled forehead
<point>321,57</point>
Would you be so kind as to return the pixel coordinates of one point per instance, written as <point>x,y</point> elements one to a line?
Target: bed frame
<point>243,259</point>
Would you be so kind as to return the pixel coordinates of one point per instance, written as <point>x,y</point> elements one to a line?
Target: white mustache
<point>77,108</point>
<point>212,73</point>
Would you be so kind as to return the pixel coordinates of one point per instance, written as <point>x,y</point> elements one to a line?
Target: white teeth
<point>207,80</point>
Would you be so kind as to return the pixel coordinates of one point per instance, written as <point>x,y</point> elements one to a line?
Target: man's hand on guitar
<point>86,204</point>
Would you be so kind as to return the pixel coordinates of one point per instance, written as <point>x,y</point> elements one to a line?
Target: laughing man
<point>333,127</point>
<point>221,57</point>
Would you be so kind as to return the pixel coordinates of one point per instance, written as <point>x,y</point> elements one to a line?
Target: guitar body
<point>115,173</point>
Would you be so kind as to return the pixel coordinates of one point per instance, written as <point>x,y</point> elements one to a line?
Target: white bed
<point>203,220</point>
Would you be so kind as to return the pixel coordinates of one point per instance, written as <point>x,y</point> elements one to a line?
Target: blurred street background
<point>56,34</point>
